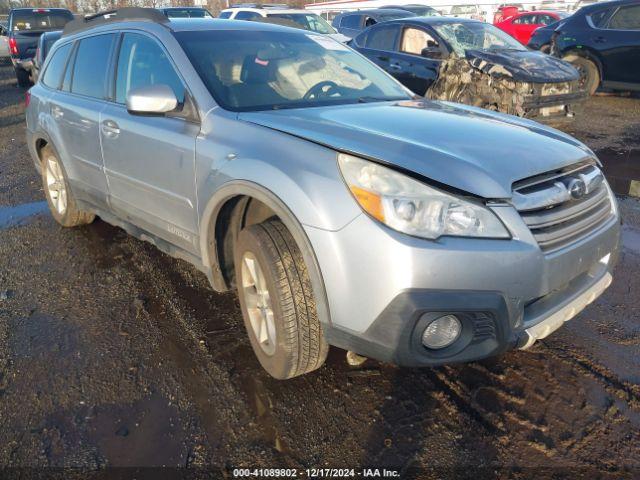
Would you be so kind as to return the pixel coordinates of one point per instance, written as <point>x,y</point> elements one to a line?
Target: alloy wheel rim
<point>258,303</point>
<point>56,186</point>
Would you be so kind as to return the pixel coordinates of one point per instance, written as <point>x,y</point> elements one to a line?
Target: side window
<point>546,19</point>
<point>626,18</point>
<point>350,21</point>
<point>525,20</point>
<point>91,64</point>
<point>415,40</point>
<point>383,38</point>
<point>141,63</point>
<point>53,75</point>
<point>598,18</point>
<point>244,15</point>
<point>369,21</point>
<point>225,15</point>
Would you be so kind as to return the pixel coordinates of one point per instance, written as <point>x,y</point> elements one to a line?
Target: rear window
<point>90,68</point>
<point>39,20</point>
<point>188,13</point>
<point>53,75</point>
<point>351,21</point>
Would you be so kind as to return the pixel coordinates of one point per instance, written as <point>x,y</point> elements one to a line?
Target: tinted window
<point>39,19</point>
<point>142,63</point>
<point>53,75</point>
<point>598,18</point>
<point>351,21</point>
<point>627,18</point>
<point>383,38</point>
<point>244,15</point>
<point>225,15</point>
<point>526,20</point>
<point>187,13</point>
<point>546,19</point>
<point>90,68</point>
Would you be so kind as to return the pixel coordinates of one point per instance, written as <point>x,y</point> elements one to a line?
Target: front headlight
<point>415,208</point>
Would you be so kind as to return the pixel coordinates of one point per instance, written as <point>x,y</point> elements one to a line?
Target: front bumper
<point>384,291</point>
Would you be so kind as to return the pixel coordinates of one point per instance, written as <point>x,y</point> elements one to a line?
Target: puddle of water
<point>18,215</point>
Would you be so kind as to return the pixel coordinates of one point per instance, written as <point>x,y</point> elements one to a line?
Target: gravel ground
<point>115,355</point>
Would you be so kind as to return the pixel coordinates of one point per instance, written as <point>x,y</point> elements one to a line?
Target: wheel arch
<point>224,213</point>
<point>589,55</point>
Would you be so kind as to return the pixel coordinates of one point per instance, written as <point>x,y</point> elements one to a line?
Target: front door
<point>418,59</point>
<point>149,160</point>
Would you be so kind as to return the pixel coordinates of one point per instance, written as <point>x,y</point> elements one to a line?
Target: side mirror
<point>431,52</point>
<point>151,100</point>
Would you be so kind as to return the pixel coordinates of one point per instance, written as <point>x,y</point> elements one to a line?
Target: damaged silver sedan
<point>474,63</point>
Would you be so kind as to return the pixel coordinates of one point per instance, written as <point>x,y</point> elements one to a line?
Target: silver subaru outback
<point>345,210</point>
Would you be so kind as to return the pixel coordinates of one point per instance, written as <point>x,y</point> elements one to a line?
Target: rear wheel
<point>59,197</point>
<point>23,78</point>
<point>589,73</point>
<point>277,301</point>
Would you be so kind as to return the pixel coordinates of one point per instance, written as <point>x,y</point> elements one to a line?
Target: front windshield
<point>476,36</point>
<point>306,21</point>
<point>269,70</point>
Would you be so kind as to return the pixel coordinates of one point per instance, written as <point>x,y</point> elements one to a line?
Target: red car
<point>521,25</point>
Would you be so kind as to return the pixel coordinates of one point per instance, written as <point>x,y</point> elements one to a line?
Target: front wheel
<point>277,301</point>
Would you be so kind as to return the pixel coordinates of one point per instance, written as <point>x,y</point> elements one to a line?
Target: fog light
<point>442,332</point>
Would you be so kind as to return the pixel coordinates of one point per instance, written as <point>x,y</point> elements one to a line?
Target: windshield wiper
<point>368,99</point>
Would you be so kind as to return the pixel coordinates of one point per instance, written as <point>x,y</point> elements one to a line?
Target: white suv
<point>283,16</point>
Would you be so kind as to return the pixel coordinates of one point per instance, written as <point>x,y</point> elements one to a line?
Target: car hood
<point>467,148</point>
<point>524,66</point>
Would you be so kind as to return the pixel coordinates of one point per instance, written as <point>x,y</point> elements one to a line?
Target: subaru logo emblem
<point>577,188</point>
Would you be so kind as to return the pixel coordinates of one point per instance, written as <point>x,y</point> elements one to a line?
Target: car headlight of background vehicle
<point>415,208</point>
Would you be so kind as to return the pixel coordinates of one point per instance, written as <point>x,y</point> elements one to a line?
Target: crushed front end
<point>476,81</point>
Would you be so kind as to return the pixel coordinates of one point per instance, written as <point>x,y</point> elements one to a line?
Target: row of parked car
<point>342,208</point>
<point>441,57</point>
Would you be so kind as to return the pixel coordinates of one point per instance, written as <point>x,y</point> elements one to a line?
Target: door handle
<point>600,40</point>
<point>395,66</point>
<point>110,129</point>
<point>56,112</point>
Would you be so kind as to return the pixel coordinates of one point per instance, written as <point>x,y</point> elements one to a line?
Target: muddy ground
<point>114,355</point>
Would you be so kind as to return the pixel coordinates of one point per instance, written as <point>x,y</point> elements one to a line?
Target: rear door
<point>76,109</point>
<point>149,160</point>
<point>619,44</point>
<point>379,45</point>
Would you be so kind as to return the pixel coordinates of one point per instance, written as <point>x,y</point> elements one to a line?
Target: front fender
<point>234,188</point>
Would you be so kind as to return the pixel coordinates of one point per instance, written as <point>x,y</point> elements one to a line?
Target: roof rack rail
<point>260,5</point>
<point>119,15</point>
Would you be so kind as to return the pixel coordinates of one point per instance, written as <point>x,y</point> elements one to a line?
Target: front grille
<point>564,206</point>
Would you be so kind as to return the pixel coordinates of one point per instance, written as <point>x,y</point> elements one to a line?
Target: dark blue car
<point>472,62</point>
<point>603,42</point>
